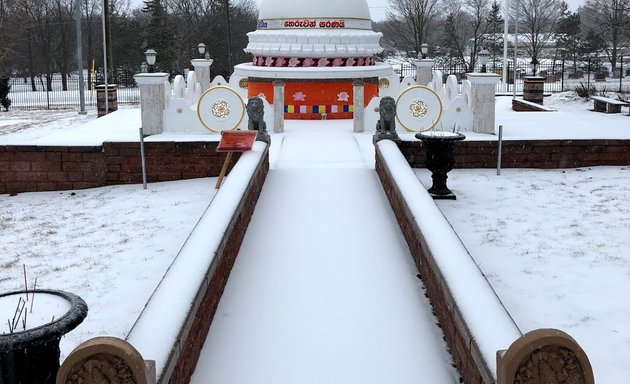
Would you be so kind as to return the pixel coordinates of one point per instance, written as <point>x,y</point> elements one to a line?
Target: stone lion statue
<point>256,114</point>
<point>386,124</point>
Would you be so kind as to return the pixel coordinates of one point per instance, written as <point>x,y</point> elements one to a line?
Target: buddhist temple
<point>319,49</point>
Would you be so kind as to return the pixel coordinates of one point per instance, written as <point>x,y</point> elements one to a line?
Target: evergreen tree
<point>157,36</point>
<point>4,93</point>
<point>494,42</point>
<point>569,36</point>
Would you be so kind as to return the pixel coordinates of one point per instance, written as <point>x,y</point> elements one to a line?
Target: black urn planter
<point>31,355</point>
<point>439,150</point>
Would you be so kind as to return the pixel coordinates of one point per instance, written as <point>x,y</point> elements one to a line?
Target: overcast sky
<point>378,7</point>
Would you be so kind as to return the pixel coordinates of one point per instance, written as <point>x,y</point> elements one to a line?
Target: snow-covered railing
<point>164,330</point>
<point>474,321</point>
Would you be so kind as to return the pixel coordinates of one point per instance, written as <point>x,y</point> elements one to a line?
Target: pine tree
<point>569,36</point>
<point>495,27</point>
<point>4,93</point>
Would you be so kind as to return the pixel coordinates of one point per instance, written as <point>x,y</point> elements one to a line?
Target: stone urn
<point>33,327</point>
<point>439,150</point>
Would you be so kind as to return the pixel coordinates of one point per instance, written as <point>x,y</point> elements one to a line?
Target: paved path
<point>324,288</point>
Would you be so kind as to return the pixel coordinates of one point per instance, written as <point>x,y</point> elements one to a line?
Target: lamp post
<point>533,65</point>
<point>484,56</point>
<point>201,47</point>
<point>424,48</point>
<point>151,55</point>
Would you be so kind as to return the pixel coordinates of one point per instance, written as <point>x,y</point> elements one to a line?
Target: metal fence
<point>559,77</point>
<point>27,93</point>
<point>30,93</point>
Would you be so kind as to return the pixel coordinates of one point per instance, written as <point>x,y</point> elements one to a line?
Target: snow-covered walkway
<point>324,289</point>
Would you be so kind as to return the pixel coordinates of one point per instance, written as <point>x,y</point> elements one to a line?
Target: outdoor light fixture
<point>151,55</point>
<point>201,47</point>
<point>483,56</point>
<point>533,64</point>
<point>424,48</point>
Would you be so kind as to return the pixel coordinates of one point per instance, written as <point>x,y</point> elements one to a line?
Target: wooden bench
<point>607,105</point>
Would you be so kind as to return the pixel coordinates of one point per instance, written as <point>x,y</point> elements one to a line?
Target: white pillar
<point>424,71</point>
<point>202,71</point>
<point>483,87</point>
<point>152,101</point>
<point>358,105</point>
<point>278,106</point>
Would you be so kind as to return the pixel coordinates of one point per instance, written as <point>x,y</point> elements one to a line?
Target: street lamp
<point>424,48</point>
<point>484,56</point>
<point>533,65</point>
<point>151,55</point>
<point>201,47</point>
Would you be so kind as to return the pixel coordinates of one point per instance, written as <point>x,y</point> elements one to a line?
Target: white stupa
<point>319,48</point>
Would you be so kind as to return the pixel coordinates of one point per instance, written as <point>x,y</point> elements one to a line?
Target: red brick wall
<point>543,154</point>
<point>44,168</point>
<point>461,342</point>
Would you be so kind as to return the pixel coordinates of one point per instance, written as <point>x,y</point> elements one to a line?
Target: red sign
<point>236,141</point>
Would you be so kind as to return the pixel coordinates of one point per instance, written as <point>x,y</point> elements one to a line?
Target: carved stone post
<point>152,101</point>
<point>202,70</point>
<point>424,71</point>
<point>358,105</point>
<point>483,87</point>
<point>278,106</point>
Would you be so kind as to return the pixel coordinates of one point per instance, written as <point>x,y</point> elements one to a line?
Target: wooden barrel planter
<point>111,99</point>
<point>533,88</point>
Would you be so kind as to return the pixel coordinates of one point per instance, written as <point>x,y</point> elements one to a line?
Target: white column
<point>202,71</point>
<point>424,71</point>
<point>358,105</point>
<point>278,106</point>
<point>483,87</point>
<point>152,101</point>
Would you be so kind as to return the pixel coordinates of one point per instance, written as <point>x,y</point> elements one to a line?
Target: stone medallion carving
<point>544,356</point>
<point>106,360</point>
<point>101,368</point>
<point>243,83</point>
<point>220,108</point>
<point>418,108</point>
<point>550,364</point>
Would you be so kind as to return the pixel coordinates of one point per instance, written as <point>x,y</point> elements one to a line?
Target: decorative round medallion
<point>243,83</point>
<point>418,108</point>
<point>220,108</point>
<point>383,83</point>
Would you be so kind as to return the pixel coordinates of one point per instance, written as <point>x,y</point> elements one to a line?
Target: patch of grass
<point>9,264</point>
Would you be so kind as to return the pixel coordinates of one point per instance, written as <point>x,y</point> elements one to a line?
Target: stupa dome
<point>301,32</point>
<point>297,9</point>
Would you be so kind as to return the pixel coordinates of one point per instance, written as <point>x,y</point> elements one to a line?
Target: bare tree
<point>411,22</point>
<point>537,21</point>
<point>610,20</point>
<point>465,30</point>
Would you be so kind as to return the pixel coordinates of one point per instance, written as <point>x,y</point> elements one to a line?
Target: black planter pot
<point>439,150</point>
<point>32,356</point>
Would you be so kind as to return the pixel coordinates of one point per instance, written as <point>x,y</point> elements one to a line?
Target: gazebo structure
<point>316,51</point>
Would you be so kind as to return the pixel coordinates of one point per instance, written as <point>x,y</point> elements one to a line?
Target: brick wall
<point>192,338</point>
<point>461,342</point>
<point>543,154</point>
<point>52,168</point>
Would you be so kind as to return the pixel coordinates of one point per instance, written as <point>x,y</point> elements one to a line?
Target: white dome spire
<point>296,9</point>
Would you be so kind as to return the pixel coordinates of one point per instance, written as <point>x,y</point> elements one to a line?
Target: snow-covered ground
<point>555,246</point>
<point>561,237</point>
